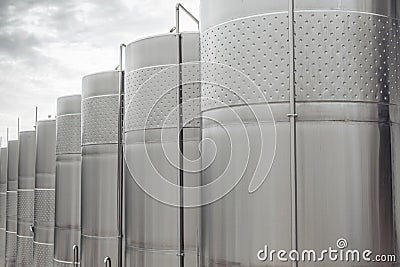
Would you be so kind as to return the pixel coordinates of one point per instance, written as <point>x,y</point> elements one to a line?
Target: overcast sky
<point>46,46</point>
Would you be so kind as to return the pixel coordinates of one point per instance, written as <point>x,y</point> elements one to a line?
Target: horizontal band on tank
<point>99,96</point>
<point>164,251</point>
<point>160,67</point>
<point>66,262</point>
<point>98,144</point>
<point>306,111</point>
<point>74,228</point>
<point>11,232</point>
<point>68,115</point>
<point>23,236</point>
<point>44,244</point>
<point>44,189</point>
<point>100,237</point>
<point>154,135</point>
<point>25,190</point>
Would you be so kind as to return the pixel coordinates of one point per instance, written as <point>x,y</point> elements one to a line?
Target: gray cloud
<point>46,46</point>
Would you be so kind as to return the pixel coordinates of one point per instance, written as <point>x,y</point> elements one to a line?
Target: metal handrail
<point>292,118</point>
<point>120,167</point>
<point>178,8</point>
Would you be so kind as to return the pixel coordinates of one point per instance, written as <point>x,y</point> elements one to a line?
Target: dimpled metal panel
<point>249,49</point>
<point>3,209</point>
<point>25,206</point>
<point>2,245</point>
<point>68,134</point>
<point>11,205</point>
<point>44,205</point>
<point>24,251</point>
<point>11,246</point>
<point>151,97</point>
<point>43,254</point>
<point>346,56</point>
<point>11,234</point>
<point>100,120</point>
<point>3,187</point>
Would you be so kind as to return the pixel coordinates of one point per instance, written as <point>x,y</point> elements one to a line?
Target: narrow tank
<point>343,70</point>
<point>43,242</point>
<point>68,180</point>
<point>11,210</point>
<point>3,193</point>
<point>153,217</point>
<point>25,201</point>
<point>100,232</point>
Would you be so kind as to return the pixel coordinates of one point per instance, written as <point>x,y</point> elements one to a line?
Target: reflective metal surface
<point>68,180</point>
<point>3,192</point>
<point>44,207</point>
<point>11,209</point>
<point>346,76</point>
<point>26,186</point>
<point>151,149</point>
<point>100,233</point>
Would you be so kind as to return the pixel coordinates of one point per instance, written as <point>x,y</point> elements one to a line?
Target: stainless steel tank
<point>152,224</point>
<point>3,194</point>
<point>100,108</point>
<point>68,180</point>
<point>25,201</point>
<point>11,209</point>
<point>341,58</point>
<point>44,206</point>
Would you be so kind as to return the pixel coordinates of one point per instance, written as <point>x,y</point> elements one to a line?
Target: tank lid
<point>161,50</point>
<point>100,83</point>
<point>70,104</point>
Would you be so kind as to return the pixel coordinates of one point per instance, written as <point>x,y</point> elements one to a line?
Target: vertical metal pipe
<point>18,129</point>
<point>292,117</point>
<point>76,255</point>
<point>36,116</point>
<point>120,156</point>
<point>181,212</point>
<point>107,262</point>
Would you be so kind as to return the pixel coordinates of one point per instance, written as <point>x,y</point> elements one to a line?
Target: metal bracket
<point>295,115</point>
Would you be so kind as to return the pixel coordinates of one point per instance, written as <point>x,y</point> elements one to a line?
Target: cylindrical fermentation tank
<point>68,180</point>
<point>342,58</point>
<point>44,206</point>
<point>100,232</point>
<point>25,201</point>
<point>3,194</point>
<point>11,209</point>
<point>152,224</point>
